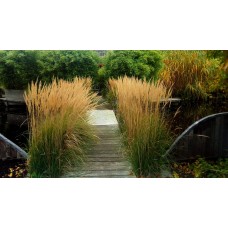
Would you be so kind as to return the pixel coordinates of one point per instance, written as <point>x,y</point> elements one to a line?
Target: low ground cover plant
<point>201,168</point>
<point>141,116</point>
<point>58,126</point>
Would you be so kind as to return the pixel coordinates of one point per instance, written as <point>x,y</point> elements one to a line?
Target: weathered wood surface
<point>105,158</point>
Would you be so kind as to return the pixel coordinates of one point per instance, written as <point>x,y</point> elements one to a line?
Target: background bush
<point>68,64</point>
<point>194,74</point>
<point>141,64</point>
<point>220,84</point>
<point>17,68</point>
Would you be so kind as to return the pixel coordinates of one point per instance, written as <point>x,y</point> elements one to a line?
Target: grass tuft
<point>140,110</point>
<point>189,73</point>
<point>58,125</point>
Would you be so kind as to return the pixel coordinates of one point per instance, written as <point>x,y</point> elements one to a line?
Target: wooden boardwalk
<point>105,158</point>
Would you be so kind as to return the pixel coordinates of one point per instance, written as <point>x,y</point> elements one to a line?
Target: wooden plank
<point>101,173</point>
<point>110,176</point>
<point>104,155</point>
<point>110,142</point>
<point>123,165</point>
<point>107,147</point>
<point>103,130</point>
<point>115,133</point>
<point>103,142</point>
<point>104,159</point>
<point>106,173</point>
<point>111,164</point>
<point>108,137</point>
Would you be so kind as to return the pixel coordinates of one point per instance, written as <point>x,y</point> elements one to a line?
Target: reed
<point>189,72</point>
<point>140,110</point>
<point>58,125</point>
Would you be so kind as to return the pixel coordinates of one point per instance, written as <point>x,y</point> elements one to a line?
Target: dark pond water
<point>183,114</point>
<point>14,125</point>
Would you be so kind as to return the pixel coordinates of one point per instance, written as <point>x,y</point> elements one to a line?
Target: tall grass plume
<point>58,125</point>
<point>140,109</point>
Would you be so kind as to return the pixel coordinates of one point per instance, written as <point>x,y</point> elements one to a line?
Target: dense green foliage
<point>17,68</point>
<point>133,63</point>
<point>193,74</point>
<point>141,64</point>
<point>215,54</point>
<point>68,64</point>
<point>221,85</point>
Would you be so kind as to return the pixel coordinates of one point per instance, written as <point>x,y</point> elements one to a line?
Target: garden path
<point>105,158</point>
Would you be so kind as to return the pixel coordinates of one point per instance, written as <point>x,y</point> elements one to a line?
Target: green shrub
<point>220,84</point>
<point>68,64</point>
<point>140,64</point>
<point>18,68</point>
<point>203,168</point>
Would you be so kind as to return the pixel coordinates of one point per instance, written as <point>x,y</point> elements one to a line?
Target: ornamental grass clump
<point>190,73</point>
<point>58,125</point>
<point>140,110</point>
